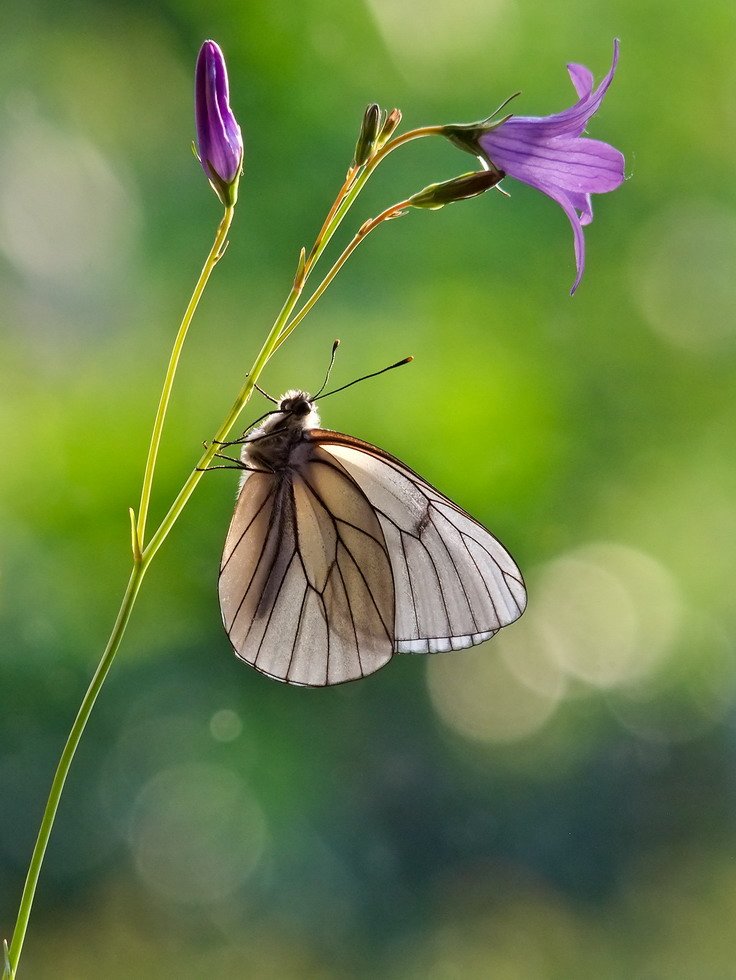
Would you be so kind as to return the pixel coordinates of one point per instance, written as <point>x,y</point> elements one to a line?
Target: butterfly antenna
<point>365,377</point>
<point>335,345</point>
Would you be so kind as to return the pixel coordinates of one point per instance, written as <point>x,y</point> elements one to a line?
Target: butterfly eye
<point>286,405</point>
<point>301,407</point>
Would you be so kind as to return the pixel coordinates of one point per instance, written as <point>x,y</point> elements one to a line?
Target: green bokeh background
<point>556,804</point>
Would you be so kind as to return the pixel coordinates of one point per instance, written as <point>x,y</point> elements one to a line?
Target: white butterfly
<point>338,556</point>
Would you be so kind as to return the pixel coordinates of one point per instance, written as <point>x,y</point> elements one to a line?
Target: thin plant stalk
<point>143,556</point>
<point>62,770</point>
<point>141,560</point>
<point>393,212</point>
<point>136,577</point>
<point>354,184</point>
<point>213,258</point>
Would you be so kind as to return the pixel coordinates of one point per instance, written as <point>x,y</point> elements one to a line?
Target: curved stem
<point>269,346</point>
<point>393,212</point>
<point>212,259</point>
<point>281,327</point>
<point>353,186</point>
<point>139,570</point>
<point>62,770</point>
<point>144,555</point>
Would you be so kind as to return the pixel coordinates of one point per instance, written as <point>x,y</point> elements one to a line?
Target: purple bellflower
<point>219,140</point>
<point>549,153</point>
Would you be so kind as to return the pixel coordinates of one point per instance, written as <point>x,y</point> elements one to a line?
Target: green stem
<point>144,556</point>
<point>352,188</point>
<point>394,211</point>
<point>158,425</point>
<point>140,566</point>
<point>158,538</point>
<point>62,770</point>
<point>344,201</point>
<point>139,570</point>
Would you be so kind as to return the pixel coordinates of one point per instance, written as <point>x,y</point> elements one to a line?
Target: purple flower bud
<point>219,140</point>
<point>551,154</point>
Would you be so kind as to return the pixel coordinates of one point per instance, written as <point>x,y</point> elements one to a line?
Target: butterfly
<point>339,555</point>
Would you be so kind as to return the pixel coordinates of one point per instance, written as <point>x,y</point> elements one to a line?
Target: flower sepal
<point>390,123</point>
<point>467,135</point>
<point>227,191</point>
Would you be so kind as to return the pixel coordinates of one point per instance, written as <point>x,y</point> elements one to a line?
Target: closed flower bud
<point>389,126</point>
<point>368,133</point>
<point>458,189</point>
<point>219,140</point>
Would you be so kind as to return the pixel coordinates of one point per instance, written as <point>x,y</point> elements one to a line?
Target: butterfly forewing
<point>305,584</point>
<point>455,583</point>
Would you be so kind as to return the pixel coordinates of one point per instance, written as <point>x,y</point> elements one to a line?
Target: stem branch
<point>393,212</point>
<point>143,555</point>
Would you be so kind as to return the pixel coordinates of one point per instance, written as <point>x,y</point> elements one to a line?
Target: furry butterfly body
<point>338,556</point>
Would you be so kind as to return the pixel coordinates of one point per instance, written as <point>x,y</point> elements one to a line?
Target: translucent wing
<point>306,590</point>
<point>455,584</point>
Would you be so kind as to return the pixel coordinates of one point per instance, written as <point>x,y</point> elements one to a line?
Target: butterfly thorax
<point>273,445</point>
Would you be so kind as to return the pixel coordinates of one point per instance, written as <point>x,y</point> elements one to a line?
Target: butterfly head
<point>296,412</point>
<point>296,403</point>
<point>271,444</point>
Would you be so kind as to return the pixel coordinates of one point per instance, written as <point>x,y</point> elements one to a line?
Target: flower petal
<point>550,154</point>
<point>571,163</point>
<point>572,121</point>
<point>219,138</point>
<point>582,204</point>
<point>566,203</point>
<point>582,79</point>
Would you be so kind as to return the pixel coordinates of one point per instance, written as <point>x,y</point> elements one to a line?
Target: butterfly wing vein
<point>456,585</point>
<point>305,584</point>
<point>334,564</point>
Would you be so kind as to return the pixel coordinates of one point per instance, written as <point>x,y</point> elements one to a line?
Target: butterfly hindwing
<point>305,586</point>
<point>455,583</point>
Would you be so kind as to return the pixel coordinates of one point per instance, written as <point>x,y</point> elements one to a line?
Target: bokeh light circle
<point>609,613</point>
<point>196,833</point>
<point>476,694</point>
<point>226,725</point>
<point>682,275</point>
<point>72,225</point>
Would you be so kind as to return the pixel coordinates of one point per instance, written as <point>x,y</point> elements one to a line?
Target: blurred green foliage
<point>556,804</point>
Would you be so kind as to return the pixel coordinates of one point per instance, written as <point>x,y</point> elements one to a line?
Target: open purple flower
<point>549,153</point>
<point>219,140</point>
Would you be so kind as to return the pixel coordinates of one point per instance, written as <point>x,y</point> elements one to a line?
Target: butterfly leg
<point>224,445</point>
<point>236,465</point>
